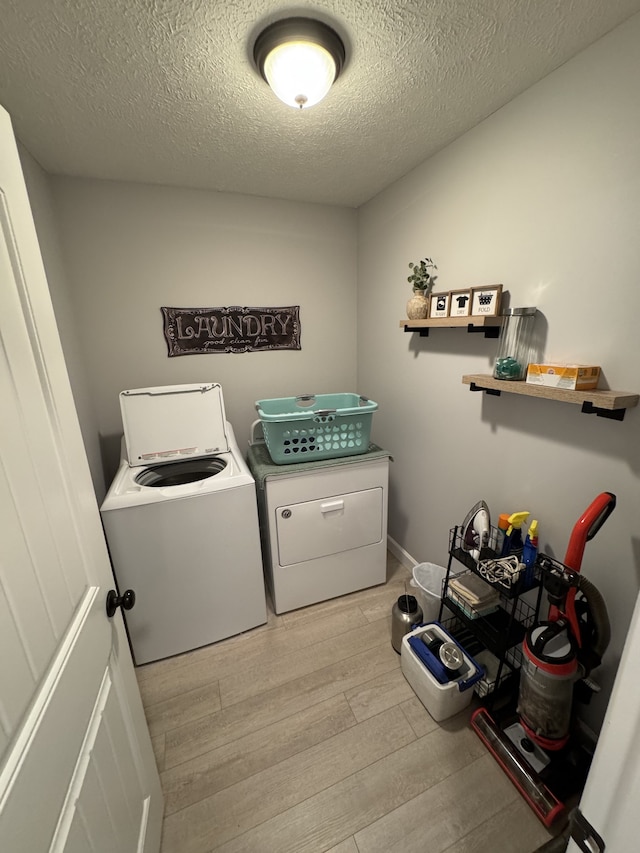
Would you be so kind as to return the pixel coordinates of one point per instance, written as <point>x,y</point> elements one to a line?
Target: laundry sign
<point>190,331</point>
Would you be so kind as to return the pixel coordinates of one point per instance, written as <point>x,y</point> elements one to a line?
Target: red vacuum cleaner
<point>558,657</point>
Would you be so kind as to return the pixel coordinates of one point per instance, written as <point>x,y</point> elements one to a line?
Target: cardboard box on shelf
<point>572,377</point>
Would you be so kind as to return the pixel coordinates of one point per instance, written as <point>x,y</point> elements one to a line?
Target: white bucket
<point>427,586</point>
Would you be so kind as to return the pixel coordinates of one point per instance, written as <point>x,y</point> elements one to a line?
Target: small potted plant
<point>422,281</point>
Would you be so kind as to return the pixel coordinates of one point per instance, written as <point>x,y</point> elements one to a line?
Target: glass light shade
<point>300,73</point>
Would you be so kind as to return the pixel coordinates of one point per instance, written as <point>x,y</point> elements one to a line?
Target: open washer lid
<point>173,422</point>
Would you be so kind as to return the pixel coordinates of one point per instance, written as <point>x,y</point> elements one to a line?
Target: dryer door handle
<point>332,506</point>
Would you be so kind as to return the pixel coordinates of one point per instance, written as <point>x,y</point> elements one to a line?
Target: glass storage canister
<point>515,345</point>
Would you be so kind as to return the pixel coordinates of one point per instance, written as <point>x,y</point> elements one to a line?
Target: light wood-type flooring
<point>302,736</point>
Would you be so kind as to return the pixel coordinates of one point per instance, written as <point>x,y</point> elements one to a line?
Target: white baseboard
<point>400,554</point>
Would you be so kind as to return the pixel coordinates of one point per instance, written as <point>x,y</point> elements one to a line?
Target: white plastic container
<point>442,700</point>
<point>427,588</point>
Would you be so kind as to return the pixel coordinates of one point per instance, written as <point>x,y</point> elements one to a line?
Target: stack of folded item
<point>472,595</point>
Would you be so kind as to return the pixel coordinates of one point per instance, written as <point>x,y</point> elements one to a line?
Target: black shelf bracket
<point>613,414</point>
<point>493,391</point>
<point>424,331</point>
<point>489,331</point>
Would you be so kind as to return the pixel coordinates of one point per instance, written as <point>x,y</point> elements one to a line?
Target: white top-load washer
<point>181,522</point>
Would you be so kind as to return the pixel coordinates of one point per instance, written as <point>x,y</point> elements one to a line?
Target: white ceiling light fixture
<point>300,58</point>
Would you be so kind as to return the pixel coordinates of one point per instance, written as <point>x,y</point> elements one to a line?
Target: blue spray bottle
<point>512,543</point>
<point>529,554</point>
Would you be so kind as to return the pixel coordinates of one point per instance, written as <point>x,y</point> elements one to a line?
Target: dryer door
<point>173,422</point>
<point>330,525</point>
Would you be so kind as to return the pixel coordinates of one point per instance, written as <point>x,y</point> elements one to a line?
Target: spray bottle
<point>513,539</point>
<point>503,526</point>
<point>529,554</point>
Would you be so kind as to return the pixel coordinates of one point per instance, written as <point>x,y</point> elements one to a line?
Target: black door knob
<point>125,601</point>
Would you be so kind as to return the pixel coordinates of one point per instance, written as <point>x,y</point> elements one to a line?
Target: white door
<point>77,772</point>
<point>611,798</point>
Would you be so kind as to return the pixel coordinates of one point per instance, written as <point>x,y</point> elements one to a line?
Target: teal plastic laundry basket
<point>322,426</point>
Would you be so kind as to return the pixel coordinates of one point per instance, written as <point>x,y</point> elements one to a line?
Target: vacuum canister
<point>548,673</point>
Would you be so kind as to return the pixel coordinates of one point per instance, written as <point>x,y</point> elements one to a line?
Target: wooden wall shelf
<point>605,404</point>
<point>489,326</point>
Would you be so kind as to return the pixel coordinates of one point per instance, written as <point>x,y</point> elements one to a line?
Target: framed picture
<point>460,303</point>
<point>486,300</point>
<point>439,305</point>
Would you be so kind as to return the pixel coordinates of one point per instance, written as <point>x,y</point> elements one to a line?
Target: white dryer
<point>181,523</point>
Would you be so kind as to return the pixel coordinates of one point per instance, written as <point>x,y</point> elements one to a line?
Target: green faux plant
<point>421,278</point>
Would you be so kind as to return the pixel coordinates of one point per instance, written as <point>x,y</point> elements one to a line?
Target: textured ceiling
<point>164,91</point>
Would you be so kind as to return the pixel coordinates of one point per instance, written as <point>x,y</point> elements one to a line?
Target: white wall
<point>544,197</point>
<point>39,189</point>
<point>132,249</point>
